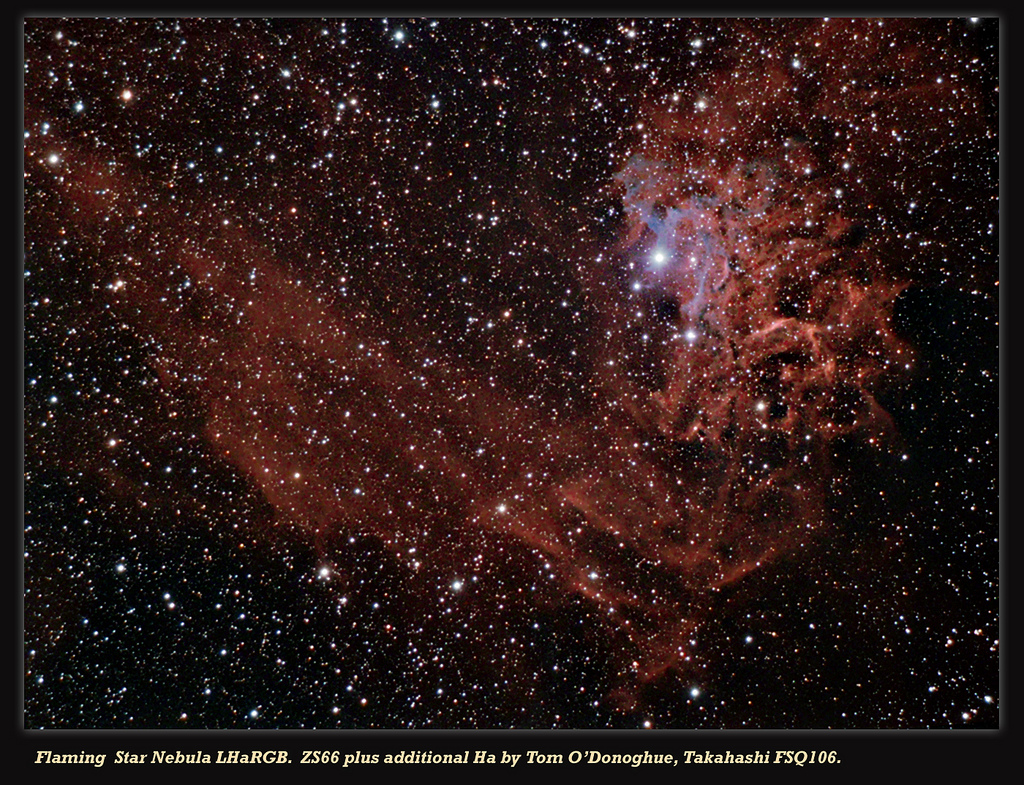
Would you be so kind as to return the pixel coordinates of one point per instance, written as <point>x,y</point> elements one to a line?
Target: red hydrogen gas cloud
<point>743,329</point>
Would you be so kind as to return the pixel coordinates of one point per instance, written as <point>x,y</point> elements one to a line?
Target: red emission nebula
<point>738,340</point>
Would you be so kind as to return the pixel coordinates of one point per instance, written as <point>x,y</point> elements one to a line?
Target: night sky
<point>535,373</point>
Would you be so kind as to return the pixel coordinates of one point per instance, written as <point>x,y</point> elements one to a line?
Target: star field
<point>533,373</point>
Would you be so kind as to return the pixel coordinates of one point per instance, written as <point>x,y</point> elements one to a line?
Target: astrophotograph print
<point>499,373</point>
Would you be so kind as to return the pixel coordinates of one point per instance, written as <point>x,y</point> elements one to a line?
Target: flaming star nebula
<point>511,373</point>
